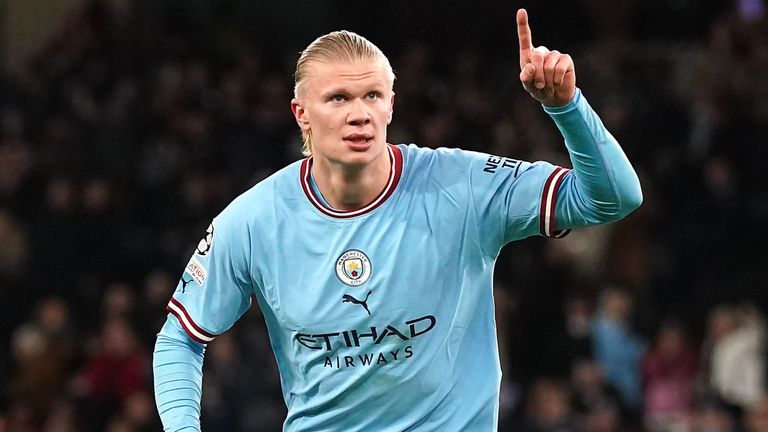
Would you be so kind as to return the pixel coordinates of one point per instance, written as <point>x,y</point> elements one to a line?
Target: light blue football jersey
<point>382,318</point>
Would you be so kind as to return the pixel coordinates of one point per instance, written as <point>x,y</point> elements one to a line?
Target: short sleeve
<point>214,290</point>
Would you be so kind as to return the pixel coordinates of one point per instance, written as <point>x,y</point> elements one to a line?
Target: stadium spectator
<point>737,373</point>
<point>115,372</point>
<point>617,348</point>
<point>591,392</point>
<point>43,350</point>
<point>548,408</point>
<point>668,375</point>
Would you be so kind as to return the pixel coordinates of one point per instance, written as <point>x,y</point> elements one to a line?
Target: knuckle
<point>553,57</point>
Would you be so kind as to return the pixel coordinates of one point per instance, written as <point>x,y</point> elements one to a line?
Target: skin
<point>342,102</point>
<point>549,76</point>
<point>347,108</point>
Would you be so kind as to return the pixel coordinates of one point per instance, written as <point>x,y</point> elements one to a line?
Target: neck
<point>351,187</point>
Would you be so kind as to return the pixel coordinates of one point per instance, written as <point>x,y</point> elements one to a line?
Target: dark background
<point>132,123</point>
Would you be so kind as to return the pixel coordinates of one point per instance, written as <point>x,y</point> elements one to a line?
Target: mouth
<point>358,141</point>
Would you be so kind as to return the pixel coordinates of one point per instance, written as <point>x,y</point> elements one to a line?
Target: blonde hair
<point>339,46</point>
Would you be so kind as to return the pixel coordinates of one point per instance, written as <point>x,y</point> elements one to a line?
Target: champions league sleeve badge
<point>353,268</point>
<point>207,241</point>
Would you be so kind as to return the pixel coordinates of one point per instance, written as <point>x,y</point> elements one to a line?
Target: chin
<point>362,156</point>
<point>357,159</point>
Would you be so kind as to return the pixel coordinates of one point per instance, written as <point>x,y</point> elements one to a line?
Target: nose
<point>358,113</point>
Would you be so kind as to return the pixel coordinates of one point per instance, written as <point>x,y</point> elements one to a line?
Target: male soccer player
<point>372,263</point>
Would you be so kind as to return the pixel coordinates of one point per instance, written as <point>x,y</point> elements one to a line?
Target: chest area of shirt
<point>387,271</point>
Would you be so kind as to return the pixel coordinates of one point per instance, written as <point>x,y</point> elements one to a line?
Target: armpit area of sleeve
<point>547,219</point>
<point>194,331</point>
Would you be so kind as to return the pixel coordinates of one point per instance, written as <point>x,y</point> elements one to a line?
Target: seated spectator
<point>734,350</point>
<point>668,372</point>
<point>116,371</point>
<point>548,408</point>
<point>617,348</point>
<point>43,352</point>
<point>591,391</point>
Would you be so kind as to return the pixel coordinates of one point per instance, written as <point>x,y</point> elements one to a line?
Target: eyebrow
<point>345,91</point>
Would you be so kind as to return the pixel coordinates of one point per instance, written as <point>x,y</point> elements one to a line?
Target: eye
<point>338,98</point>
<point>372,95</point>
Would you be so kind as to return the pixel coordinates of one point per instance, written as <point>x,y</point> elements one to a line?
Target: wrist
<point>560,101</point>
<point>565,107</point>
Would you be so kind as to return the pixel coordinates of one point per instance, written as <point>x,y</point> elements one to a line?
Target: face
<point>346,107</point>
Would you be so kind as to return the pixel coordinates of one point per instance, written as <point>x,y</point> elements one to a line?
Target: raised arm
<point>602,186</point>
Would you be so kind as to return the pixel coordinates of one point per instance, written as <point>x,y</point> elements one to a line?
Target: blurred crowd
<point>123,138</point>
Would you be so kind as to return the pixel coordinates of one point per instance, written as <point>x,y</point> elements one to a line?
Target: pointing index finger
<point>524,36</point>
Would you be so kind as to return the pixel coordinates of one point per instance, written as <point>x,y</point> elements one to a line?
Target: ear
<point>300,114</point>
<point>391,108</point>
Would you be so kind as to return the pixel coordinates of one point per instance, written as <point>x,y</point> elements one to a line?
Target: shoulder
<point>415,152</point>
<point>448,162</point>
<point>258,201</point>
<point>424,156</point>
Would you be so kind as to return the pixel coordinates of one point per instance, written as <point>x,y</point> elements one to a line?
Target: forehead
<point>324,74</point>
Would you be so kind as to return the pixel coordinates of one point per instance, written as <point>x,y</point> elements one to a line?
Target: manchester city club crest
<point>353,267</point>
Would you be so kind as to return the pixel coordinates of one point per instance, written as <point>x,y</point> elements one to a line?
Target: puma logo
<point>364,303</point>
<point>184,284</point>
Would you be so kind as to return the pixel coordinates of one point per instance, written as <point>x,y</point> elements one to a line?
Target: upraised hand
<point>549,76</point>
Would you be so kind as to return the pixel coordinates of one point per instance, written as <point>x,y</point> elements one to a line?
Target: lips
<point>358,137</point>
<point>358,141</point>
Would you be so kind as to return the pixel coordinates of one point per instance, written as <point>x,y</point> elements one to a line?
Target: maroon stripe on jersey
<point>543,205</point>
<point>193,330</point>
<point>395,172</point>
<point>547,218</point>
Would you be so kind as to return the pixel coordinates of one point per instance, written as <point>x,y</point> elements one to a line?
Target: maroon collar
<point>395,171</point>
